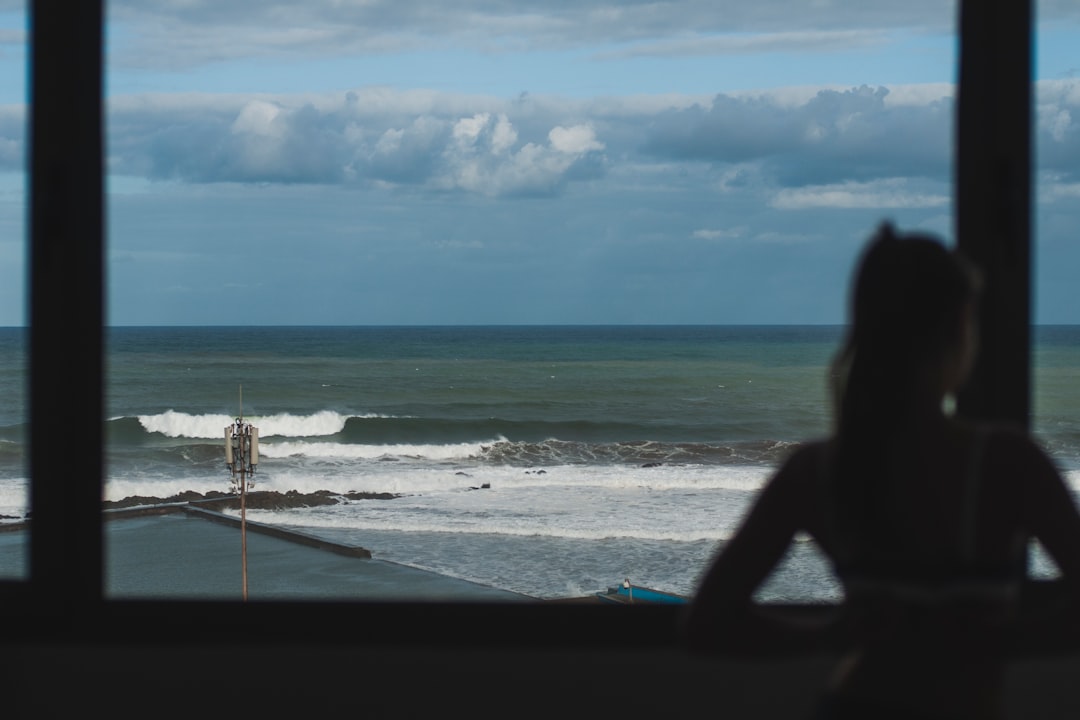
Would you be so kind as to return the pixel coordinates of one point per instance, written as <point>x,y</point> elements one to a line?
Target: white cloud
<point>739,43</point>
<point>718,234</point>
<point>884,194</point>
<point>1064,190</point>
<point>818,148</point>
<point>10,36</point>
<point>1053,114</point>
<point>504,136</point>
<point>1053,186</point>
<point>1058,124</point>
<point>488,165</point>
<point>362,136</point>
<point>1072,190</point>
<point>467,130</point>
<point>258,118</point>
<point>389,142</point>
<point>574,140</point>
<point>831,137</point>
<point>916,94</point>
<point>166,34</point>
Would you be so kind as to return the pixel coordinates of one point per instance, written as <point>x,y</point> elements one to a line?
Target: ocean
<point>548,461</point>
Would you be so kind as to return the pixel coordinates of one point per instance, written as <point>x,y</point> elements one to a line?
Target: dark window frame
<point>64,598</point>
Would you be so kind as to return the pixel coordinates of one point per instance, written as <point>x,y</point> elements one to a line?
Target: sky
<point>372,162</point>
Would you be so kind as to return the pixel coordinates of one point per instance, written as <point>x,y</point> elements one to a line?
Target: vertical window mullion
<point>66,229</point>
<point>993,198</point>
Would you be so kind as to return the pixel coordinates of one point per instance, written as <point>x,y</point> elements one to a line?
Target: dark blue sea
<point>550,461</point>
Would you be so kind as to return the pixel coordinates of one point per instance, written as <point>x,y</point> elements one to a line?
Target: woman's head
<point>909,342</point>
<point>912,311</point>
<point>910,291</point>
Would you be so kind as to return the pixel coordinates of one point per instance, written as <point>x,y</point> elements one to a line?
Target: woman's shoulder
<point>808,451</point>
<point>793,489</point>
<point>806,462</point>
<point>1010,453</point>
<point>1003,439</point>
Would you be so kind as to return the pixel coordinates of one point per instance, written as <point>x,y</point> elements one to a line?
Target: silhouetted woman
<point>925,517</point>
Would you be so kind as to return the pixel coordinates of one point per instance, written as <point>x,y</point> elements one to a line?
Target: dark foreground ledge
<point>1047,626</point>
<point>410,659</point>
<point>478,660</point>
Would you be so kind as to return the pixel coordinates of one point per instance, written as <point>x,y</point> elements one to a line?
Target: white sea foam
<point>329,450</point>
<point>670,504</point>
<point>14,497</point>
<point>403,476</point>
<point>144,486</point>
<point>595,513</point>
<point>597,531</point>
<point>177,424</point>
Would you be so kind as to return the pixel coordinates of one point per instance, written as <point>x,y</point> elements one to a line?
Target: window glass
<point>14,488</point>
<point>529,297</point>
<point>1056,256</point>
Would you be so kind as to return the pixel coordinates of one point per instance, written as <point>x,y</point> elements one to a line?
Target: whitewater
<point>551,462</point>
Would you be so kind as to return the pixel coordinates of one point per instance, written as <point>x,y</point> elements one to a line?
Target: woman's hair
<point>907,305</point>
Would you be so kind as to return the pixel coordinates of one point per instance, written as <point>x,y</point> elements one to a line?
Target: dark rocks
<point>264,500</point>
<point>186,496</point>
<point>261,500</point>
<point>292,499</point>
<point>370,496</point>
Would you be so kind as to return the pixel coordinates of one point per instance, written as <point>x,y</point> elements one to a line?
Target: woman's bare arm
<point>722,615</point>
<point>1051,514</point>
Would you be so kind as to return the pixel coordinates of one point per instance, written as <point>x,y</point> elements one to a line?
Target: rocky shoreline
<point>261,500</point>
<point>220,502</point>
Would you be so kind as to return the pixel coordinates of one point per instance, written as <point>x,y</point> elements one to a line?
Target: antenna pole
<point>241,458</point>
<point>243,507</point>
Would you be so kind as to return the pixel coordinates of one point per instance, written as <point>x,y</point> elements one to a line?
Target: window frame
<point>64,596</point>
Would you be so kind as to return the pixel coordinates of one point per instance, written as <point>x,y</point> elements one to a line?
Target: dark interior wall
<point>317,680</point>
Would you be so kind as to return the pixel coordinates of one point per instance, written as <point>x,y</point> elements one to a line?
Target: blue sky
<point>503,161</point>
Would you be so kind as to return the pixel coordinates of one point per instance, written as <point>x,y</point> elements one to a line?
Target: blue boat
<point>630,594</point>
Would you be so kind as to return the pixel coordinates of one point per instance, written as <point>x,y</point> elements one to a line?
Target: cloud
<point>182,33</point>
<point>574,140</point>
<point>888,194</point>
<point>718,234</point>
<point>835,135</point>
<point>482,159</point>
<point>762,142</point>
<point>742,44</point>
<point>347,140</point>
<point>1057,127</point>
<point>257,118</point>
<point>10,36</point>
<point>1057,123</point>
<point>1054,186</point>
<point>1064,190</point>
<point>12,138</point>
